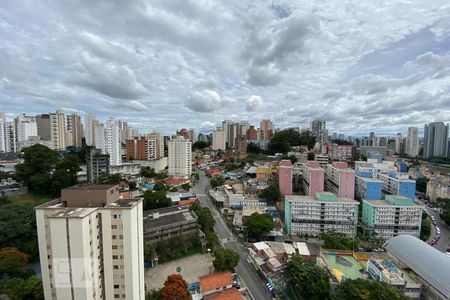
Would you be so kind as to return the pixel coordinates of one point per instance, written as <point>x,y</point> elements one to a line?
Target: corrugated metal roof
<point>428,262</point>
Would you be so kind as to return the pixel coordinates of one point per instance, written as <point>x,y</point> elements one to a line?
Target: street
<point>444,241</point>
<point>228,240</point>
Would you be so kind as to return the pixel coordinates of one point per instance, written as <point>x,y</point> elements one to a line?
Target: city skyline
<point>154,64</point>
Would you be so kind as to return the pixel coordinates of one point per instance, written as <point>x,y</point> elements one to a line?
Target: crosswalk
<point>228,240</point>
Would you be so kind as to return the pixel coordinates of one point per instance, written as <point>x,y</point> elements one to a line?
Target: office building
<point>240,145</point>
<point>266,127</point>
<point>435,139</point>
<point>318,129</point>
<point>396,215</point>
<point>412,142</point>
<point>219,141</point>
<point>398,184</point>
<point>285,177</point>
<point>165,223</point>
<point>91,245</point>
<point>180,157</point>
<point>306,215</point>
<point>431,266</point>
<point>75,128</point>
<point>97,165</point>
<point>313,178</point>
<point>57,130</point>
<point>368,188</point>
<point>340,180</point>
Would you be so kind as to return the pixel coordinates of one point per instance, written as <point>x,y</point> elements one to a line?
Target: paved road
<point>244,270</point>
<point>444,241</point>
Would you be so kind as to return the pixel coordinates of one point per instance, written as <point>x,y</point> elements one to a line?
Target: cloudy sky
<point>362,65</point>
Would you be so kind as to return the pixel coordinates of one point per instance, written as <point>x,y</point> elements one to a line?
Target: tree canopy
<point>339,241</point>
<point>175,288</point>
<point>282,141</point>
<point>361,289</point>
<point>20,289</point>
<point>205,218</point>
<point>421,184</point>
<point>225,259</point>
<point>310,281</point>
<point>12,262</point>
<point>216,181</point>
<point>341,142</point>
<point>258,225</point>
<point>156,199</point>
<point>271,193</point>
<point>253,148</point>
<point>200,145</point>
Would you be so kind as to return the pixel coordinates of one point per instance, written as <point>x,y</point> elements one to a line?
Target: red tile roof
<point>230,294</point>
<point>176,180</point>
<point>215,280</point>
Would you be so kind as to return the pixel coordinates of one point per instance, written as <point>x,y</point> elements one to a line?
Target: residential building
<point>313,178</point>
<point>219,141</point>
<point>3,135</point>
<point>138,148</point>
<point>373,167</point>
<point>396,215</point>
<point>90,123</point>
<point>91,245</point>
<point>240,145</point>
<point>319,130</point>
<point>340,179</point>
<point>11,136</point>
<point>398,184</point>
<point>129,133</point>
<point>438,188</point>
<point>165,223</point>
<point>215,283</point>
<point>431,266</point>
<point>57,130</point>
<point>398,143</point>
<point>26,127</point>
<point>75,128</point>
<point>435,139</point>
<point>157,145</point>
<point>412,142</point>
<point>306,215</point>
<point>340,152</point>
<point>44,127</point>
<point>266,127</point>
<point>180,157</point>
<point>285,177</point>
<point>97,165</point>
<point>192,135</point>
<point>251,133</point>
<point>322,159</point>
<point>368,188</point>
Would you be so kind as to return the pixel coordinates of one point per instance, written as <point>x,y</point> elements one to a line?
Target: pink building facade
<point>285,177</point>
<point>313,178</point>
<point>340,180</point>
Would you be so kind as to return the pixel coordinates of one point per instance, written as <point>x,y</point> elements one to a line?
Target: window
<point>114,237</point>
<point>114,247</point>
<point>116,296</point>
<point>116,286</point>
<point>116,267</point>
<point>115,257</point>
<point>113,226</point>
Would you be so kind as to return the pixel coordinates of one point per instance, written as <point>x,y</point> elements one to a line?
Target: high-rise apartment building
<point>180,157</point>
<point>319,130</point>
<point>192,135</point>
<point>435,139</point>
<point>57,130</point>
<point>3,135</point>
<point>398,184</point>
<point>313,178</point>
<point>97,165</point>
<point>91,245</point>
<point>26,127</point>
<point>158,144</point>
<point>75,128</point>
<point>285,177</point>
<point>412,142</point>
<point>398,143</point>
<point>251,133</point>
<point>107,139</point>
<point>226,128</point>
<point>11,137</point>
<point>240,145</point>
<point>137,148</point>
<point>266,127</point>
<point>90,123</point>
<point>219,142</point>
<point>44,127</point>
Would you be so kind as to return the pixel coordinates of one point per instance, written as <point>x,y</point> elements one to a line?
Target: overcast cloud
<point>166,64</point>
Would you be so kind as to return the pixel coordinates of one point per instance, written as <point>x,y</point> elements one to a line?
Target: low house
<point>215,283</point>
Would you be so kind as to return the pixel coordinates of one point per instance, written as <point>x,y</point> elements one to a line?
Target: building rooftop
<point>298,198</point>
<point>230,294</point>
<point>215,280</point>
<point>86,187</point>
<point>166,210</point>
<point>169,219</point>
<point>369,179</point>
<point>73,212</point>
<point>425,260</point>
<point>124,203</point>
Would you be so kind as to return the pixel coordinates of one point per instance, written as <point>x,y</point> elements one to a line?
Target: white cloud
<point>207,101</point>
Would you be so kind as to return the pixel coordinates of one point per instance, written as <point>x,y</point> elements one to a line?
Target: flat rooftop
<point>86,187</point>
<point>124,203</point>
<point>73,212</point>
<point>298,198</point>
<point>169,219</point>
<point>166,210</point>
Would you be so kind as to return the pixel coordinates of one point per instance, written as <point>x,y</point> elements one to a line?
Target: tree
<point>153,294</point>
<point>19,289</point>
<point>225,259</point>
<point>148,172</point>
<point>293,159</point>
<point>311,156</point>
<point>200,145</point>
<point>217,181</point>
<point>160,186</point>
<point>282,141</point>
<point>341,142</point>
<point>258,225</point>
<point>271,193</point>
<point>361,289</point>
<point>205,218</point>
<point>425,228</point>
<point>213,240</point>
<point>175,288</point>
<point>339,241</point>
<point>310,281</point>
<point>253,148</point>
<point>12,262</point>
<point>156,199</point>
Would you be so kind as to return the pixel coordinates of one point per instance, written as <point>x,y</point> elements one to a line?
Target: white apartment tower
<point>159,143</point>
<point>91,245</point>
<point>318,128</point>
<point>218,142</point>
<point>75,128</point>
<point>412,142</point>
<point>3,135</point>
<point>57,130</point>
<point>90,122</point>
<point>180,157</point>
<point>107,139</point>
